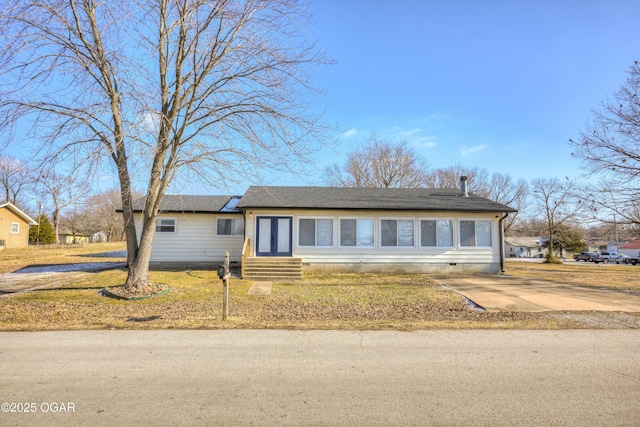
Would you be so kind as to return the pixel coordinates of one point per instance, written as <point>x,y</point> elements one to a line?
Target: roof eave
<point>16,210</point>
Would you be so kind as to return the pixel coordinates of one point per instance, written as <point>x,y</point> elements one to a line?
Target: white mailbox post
<point>224,274</point>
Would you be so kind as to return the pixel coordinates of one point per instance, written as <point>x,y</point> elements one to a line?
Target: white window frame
<point>397,246</point>
<point>357,218</point>
<point>315,219</point>
<point>230,219</point>
<point>475,231</point>
<point>175,225</point>
<point>453,233</point>
<point>15,230</point>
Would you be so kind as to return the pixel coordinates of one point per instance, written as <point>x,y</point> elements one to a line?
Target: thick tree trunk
<point>138,277</point>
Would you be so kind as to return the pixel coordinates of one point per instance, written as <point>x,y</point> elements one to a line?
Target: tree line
<point>60,202</point>
<point>564,210</point>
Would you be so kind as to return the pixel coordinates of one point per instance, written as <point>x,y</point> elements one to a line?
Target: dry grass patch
<point>625,278</point>
<point>341,301</point>
<point>406,302</point>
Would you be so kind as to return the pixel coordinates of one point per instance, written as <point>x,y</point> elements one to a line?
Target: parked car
<point>623,259</point>
<point>632,260</point>
<point>607,257</point>
<point>585,256</point>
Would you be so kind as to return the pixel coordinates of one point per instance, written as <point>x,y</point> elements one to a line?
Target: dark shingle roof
<point>427,199</point>
<point>192,204</point>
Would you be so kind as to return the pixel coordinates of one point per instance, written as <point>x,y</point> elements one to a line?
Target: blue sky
<point>500,85</point>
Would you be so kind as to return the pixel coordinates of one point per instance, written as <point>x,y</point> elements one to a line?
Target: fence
<point>58,246</point>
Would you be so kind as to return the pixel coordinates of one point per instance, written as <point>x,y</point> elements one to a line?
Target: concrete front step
<point>273,260</point>
<point>273,268</point>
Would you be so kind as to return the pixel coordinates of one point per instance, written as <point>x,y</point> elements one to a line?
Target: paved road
<point>496,292</point>
<point>322,377</point>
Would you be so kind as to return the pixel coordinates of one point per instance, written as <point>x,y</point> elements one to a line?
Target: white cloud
<point>425,141</point>
<point>349,133</point>
<point>409,133</point>
<point>465,151</point>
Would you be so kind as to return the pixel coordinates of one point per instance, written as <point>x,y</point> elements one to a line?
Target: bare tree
<point>612,202</point>
<point>158,86</point>
<point>381,164</point>
<point>529,227</point>
<point>75,221</point>
<point>100,213</point>
<point>503,189</point>
<point>610,146</point>
<point>498,187</point>
<point>14,177</point>
<point>555,202</point>
<point>63,191</point>
<point>449,177</point>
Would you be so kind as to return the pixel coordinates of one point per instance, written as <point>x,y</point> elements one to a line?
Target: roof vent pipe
<point>464,191</point>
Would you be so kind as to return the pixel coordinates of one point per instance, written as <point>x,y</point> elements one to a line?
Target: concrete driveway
<point>508,293</point>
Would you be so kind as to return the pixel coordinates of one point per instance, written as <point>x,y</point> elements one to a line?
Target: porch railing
<point>246,253</point>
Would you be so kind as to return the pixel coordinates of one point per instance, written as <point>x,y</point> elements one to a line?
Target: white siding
<point>335,255</point>
<point>634,253</point>
<point>195,240</point>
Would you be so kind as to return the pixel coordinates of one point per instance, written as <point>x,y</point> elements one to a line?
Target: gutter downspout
<point>502,241</point>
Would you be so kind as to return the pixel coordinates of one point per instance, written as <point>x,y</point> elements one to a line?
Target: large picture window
<point>436,233</point>
<point>356,232</point>
<point>315,232</point>
<point>165,225</point>
<point>230,227</point>
<point>475,233</point>
<point>396,232</point>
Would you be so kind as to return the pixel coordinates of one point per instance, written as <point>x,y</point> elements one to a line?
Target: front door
<point>273,236</point>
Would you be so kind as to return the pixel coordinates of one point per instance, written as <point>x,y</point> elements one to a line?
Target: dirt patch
<point>153,290</point>
<point>598,319</point>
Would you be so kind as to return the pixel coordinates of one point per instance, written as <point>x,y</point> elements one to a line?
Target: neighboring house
<point>98,237</point>
<point>612,247</point>
<point>631,249</point>
<point>524,247</point>
<point>68,237</point>
<point>596,245</point>
<point>14,227</point>
<point>335,229</point>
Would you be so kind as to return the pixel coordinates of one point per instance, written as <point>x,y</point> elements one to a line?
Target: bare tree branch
<point>216,88</point>
<point>610,147</point>
<point>379,163</point>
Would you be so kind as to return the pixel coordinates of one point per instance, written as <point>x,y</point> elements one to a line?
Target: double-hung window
<point>397,233</point>
<point>15,227</point>
<point>356,232</point>
<point>315,232</point>
<point>475,233</point>
<point>436,233</point>
<point>165,225</point>
<point>230,227</point>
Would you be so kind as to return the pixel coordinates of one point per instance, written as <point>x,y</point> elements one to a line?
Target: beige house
<point>14,227</point>
<point>334,229</point>
<point>69,237</point>
<point>525,247</point>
